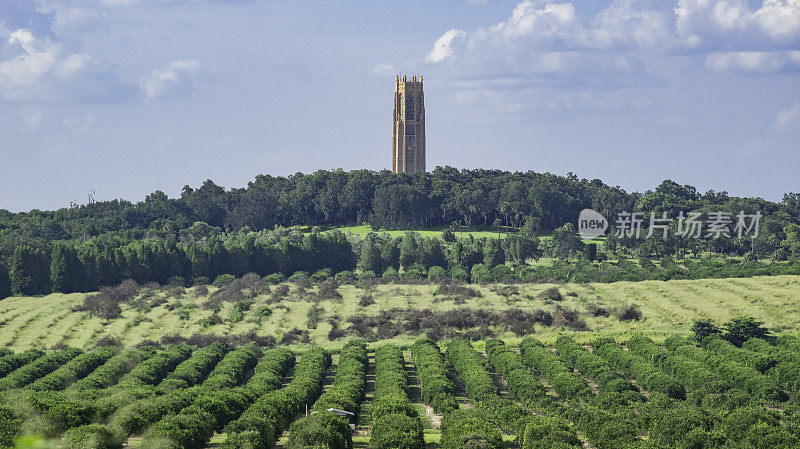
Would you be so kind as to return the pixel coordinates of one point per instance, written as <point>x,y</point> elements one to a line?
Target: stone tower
<point>408,143</point>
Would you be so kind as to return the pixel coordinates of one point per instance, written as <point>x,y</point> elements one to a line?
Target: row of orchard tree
<point>80,267</point>
<point>86,266</point>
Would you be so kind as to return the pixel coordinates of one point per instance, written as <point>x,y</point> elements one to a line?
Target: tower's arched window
<point>409,107</point>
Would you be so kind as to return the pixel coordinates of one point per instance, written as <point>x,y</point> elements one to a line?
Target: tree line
<point>173,236</point>
<point>86,266</point>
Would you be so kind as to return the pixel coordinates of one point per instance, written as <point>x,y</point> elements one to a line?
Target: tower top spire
<point>408,143</point>
<point>413,78</point>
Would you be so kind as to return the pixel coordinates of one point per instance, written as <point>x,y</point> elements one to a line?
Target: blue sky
<point>128,96</point>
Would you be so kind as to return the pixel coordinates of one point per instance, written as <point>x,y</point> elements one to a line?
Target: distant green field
<point>465,231</point>
<point>667,308</point>
<point>475,231</point>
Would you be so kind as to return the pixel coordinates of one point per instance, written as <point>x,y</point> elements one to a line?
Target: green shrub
<point>108,374</point>
<point>671,428</point>
<point>524,386</point>
<point>547,432</point>
<point>471,369</point>
<point>481,274</point>
<point>740,329</point>
<point>223,279</point>
<point>321,275</point>
<point>701,329</point>
<point>11,362</point>
<point>436,274</point>
<point>299,278</point>
<point>562,378</point>
<point>464,428</point>
<point>437,389</point>
<point>502,273</point>
<point>345,277</point>
<point>176,280</point>
<point>90,436</point>
<point>390,274</point>
<point>366,274</point>
<point>262,423</point>
<point>459,274</point>
<point>9,425</point>
<point>274,278</point>
<point>322,430</point>
<point>396,431</point>
<point>73,370</point>
<point>38,368</point>
<point>201,280</point>
<point>395,423</point>
<point>413,272</point>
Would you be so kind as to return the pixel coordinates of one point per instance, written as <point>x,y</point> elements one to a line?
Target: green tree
<point>390,253</point>
<point>611,243</point>
<point>29,272</point>
<point>704,328</point>
<point>433,252</point>
<point>566,243</point>
<point>370,259</point>
<point>531,227</point>
<point>410,249</point>
<point>792,240</point>
<point>741,329</point>
<point>59,277</point>
<point>493,253</point>
<point>519,248</point>
<point>481,274</point>
<point>591,251</point>
<point>498,224</point>
<point>5,284</point>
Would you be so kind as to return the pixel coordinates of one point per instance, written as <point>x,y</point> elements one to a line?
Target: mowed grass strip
<point>667,307</point>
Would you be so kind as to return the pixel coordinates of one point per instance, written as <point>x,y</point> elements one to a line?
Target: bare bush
<point>280,291</point>
<point>175,291</point>
<point>596,311</point>
<point>551,294</point>
<point>328,289</point>
<point>569,318</point>
<point>294,336</point>
<point>454,289</point>
<point>366,300</point>
<point>335,333</point>
<point>200,291</point>
<point>315,315</point>
<point>629,312</point>
<point>506,290</point>
<point>108,340</point>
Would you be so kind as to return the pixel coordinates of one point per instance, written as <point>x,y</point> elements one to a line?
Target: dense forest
<point>210,231</point>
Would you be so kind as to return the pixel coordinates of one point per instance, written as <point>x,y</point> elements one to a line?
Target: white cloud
<point>753,61</point>
<point>173,80</point>
<point>630,23</point>
<point>39,64</point>
<point>706,22</point>
<point>443,47</point>
<point>383,69</point>
<point>789,118</point>
<point>527,20</point>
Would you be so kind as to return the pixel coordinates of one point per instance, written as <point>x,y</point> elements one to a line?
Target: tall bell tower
<point>408,143</point>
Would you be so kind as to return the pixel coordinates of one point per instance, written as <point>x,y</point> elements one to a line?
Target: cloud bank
<point>173,80</point>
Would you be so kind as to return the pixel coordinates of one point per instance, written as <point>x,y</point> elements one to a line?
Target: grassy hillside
<point>666,308</point>
<point>464,231</point>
